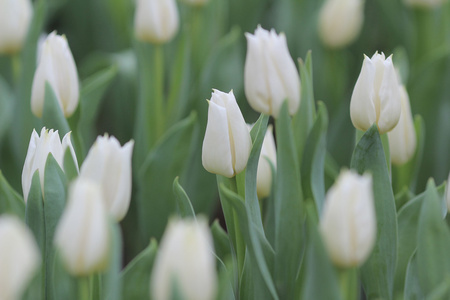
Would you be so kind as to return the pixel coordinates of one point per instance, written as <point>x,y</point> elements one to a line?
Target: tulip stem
<point>158,79</point>
<point>387,153</point>
<point>84,283</point>
<point>348,281</point>
<point>15,66</point>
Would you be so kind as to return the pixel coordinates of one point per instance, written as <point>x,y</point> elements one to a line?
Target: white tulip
<point>57,67</point>
<point>424,3</point>
<point>270,75</point>
<point>19,257</point>
<point>340,22</point>
<point>38,150</point>
<point>402,139</point>
<point>83,234</point>
<point>109,164</point>
<point>227,143</point>
<point>156,21</point>
<point>15,17</point>
<point>348,223</point>
<point>376,96</point>
<point>264,174</point>
<point>185,258</point>
<point>447,188</point>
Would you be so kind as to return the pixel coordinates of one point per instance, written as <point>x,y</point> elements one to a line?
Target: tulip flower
<point>19,257</point>
<point>156,21</point>
<point>402,139</point>
<point>15,17</point>
<point>447,188</point>
<point>109,165</point>
<point>340,22</point>
<point>57,67</point>
<point>186,260</point>
<point>376,96</point>
<point>428,4</point>
<point>348,223</point>
<point>38,150</point>
<point>83,235</point>
<point>227,143</point>
<point>267,157</point>
<point>270,75</point>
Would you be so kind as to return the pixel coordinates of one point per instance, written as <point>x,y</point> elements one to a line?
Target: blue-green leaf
<point>184,205</point>
<point>111,280</point>
<point>10,201</point>
<point>52,116</point>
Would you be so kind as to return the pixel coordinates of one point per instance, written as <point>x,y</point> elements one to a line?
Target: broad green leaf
<point>111,283</point>
<point>70,168</point>
<point>313,163</point>
<point>184,205</point>
<point>225,289</point>
<point>318,267</point>
<point>52,115</point>
<point>378,271</point>
<point>412,285</point>
<point>258,246</point>
<point>10,201</point>
<point>433,261</point>
<point>402,198</point>
<point>156,200</point>
<point>289,211</point>
<point>6,108</point>
<point>136,276</point>
<point>222,246</point>
<point>66,287</point>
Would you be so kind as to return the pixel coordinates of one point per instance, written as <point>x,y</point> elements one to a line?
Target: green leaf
<point>313,163</point>
<point>226,275</point>
<point>66,287</point>
<point>222,244</point>
<point>184,205</point>
<point>52,115</point>
<point>319,270</point>
<point>412,285</point>
<point>111,280</point>
<point>155,197</point>
<point>70,168</point>
<point>6,107</point>
<point>289,211</point>
<point>378,271</point>
<point>258,247</point>
<point>433,261</point>
<point>136,276</point>
<point>10,201</point>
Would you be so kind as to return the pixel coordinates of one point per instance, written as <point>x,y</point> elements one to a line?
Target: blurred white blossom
<point>15,17</point>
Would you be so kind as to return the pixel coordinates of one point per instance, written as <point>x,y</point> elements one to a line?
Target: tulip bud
<point>38,150</point>
<point>340,22</point>
<point>264,174</point>
<point>428,4</point>
<point>447,193</point>
<point>57,67</point>
<point>348,223</point>
<point>109,165</point>
<point>156,21</point>
<point>270,74</point>
<point>15,17</point>
<point>402,139</point>
<point>82,234</point>
<point>19,257</point>
<point>227,142</point>
<point>185,260</point>
<point>376,96</point>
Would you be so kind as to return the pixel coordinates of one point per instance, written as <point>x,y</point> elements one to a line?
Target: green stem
<point>240,244</point>
<point>15,66</point>
<point>158,79</point>
<point>84,288</point>
<point>387,152</point>
<point>348,281</point>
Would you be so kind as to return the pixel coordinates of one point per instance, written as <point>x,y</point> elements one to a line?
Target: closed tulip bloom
<point>156,21</point>
<point>82,234</point>
<point>109,164</point>
<point>376,96</point>
<point>57,67</point>
<point>270,75</point>
<point>348,223</point>
<point>402,139</point>
<point>185,258</point>
<point>447,188</point>
<point>340,22</point>
<point>227,143</point>
<point>264,174</point>
<point>15,17</point>
<point>424,3</point>
<point>38,150</point>
<point>19,257</point>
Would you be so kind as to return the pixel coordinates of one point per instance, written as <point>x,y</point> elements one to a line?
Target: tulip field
<point>224,149</point>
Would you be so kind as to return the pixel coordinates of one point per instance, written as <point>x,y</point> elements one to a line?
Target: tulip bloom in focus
<point>264,174</point>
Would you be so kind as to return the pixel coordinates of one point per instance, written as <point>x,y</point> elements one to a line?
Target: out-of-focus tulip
<point>57,67</point>
<point>38,150</point>
<point>376,96</point>
<point>156,21</point>
<point>185,258</point>
<point>109,164</point>
<point>447,188</point>
<point>424,3</point>
<point>227,143</point>
<point>402,139</point>
<point>348,223</point>
<point>264,174</point>
<point>15,17</point>
<point>270,75</point>
<point>340,22</point>
<point>83,234</point>
<point>19,257</point>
